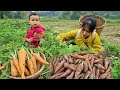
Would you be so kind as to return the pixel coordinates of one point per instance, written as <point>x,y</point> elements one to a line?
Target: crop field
<point>12,32</point>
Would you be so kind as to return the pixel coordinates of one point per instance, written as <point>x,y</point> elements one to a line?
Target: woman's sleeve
<point>67,36</point>
<point>97,44</point>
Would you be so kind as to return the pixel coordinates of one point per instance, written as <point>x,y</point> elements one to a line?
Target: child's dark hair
<point>33,13</point>
<point>91,22</point>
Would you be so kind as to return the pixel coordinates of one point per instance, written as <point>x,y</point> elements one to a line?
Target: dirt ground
<point>110,31</point>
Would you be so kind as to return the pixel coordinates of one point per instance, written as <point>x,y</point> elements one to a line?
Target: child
<point>85,36</point>
<point>35,32</point>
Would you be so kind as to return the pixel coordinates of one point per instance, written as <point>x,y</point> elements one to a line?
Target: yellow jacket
<point>80,41</point>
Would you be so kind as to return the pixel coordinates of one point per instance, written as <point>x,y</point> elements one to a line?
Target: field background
<point>12,32</point>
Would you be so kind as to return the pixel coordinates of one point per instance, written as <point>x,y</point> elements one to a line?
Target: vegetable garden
<point>12,32</point>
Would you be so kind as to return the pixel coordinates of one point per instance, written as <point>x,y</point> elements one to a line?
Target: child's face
<point>85,31</point>
<point>34,21</point>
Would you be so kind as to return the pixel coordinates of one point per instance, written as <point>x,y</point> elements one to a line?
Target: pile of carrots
<point>26,63</point>
<point>79,66</point>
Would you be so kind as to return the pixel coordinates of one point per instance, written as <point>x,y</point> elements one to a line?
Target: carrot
<point>38,58</point>
<point>30,66</point>
<point>87,74</point>
<point>21,57</point>
<point>100,66</point>
<point>102,71</point>
<point>77,60</point>
<point>89,66</point>
<point>70,60</point>
<point>60,66</point>
<point>85,66</point>
<point>104,75</point>
<point>78,76</point>
<point>67,72</point>
<point>67,65</point>
<point>51,69</point>
<point>27,73</point>
<point>90,57</point>
<point>78,56</point>
<point>91,76</point>
<point>108,76</point>
<point>79,69</point>
<point>71,75</point>
<point>61,58</point>
<point>16,64</point>
<point>38,64</point>
<point>55,75</point>
<point>2,67</point>
<point>74,65</point>
<point>98,60</point>
<point>109,68</point>
<point>61,70</point>
<point>14,71</point>
<point>106,63</point>
<point>34,63</point>
<point>56,64</point>
<point>94,70</point>
<point>82,76</point>
<point>97,73</point>
<point>92,61</point>
<point>65,57</point>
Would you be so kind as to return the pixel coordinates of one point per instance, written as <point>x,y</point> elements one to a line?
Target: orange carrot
<point>38,64</point>
<point>30,66</point>
<point>2,67</point>
<point>14,71</point>
<point>91,76</point>
<point>21,57</point>
<point>38,58</point>
<point>34,63</point>
<point>90,57</point>
<point>27,73</point>
<point>16,64</point>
